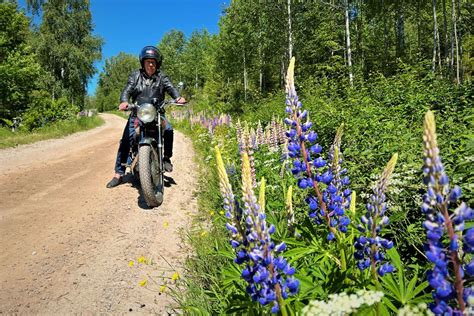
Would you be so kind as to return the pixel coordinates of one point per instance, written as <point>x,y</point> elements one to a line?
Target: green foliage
<point>44,111</point>
<point>385,115</point>
<point>381,116</point>
<point>13,28</point>
<point>19,69</point>
<point>66,48</point>
<point>44,73</point>
<point>112,80</point>
<point>171,46</point>
<point>399,289</point>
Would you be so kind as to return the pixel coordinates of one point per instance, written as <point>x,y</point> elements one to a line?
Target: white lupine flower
<point>342,304</point>
<point>418,310</point>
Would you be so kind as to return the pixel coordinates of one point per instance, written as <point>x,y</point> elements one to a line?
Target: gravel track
<point>67,241</point>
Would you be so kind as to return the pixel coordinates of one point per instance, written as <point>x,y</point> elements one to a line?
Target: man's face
<point>150,66</point>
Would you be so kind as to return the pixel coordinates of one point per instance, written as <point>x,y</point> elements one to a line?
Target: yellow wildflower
<point>131,263</point>
<point>175,276</point>
<point>142,282</point>
<point>143,260</point>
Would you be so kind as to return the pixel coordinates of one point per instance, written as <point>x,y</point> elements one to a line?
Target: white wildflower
<point>342,304</point>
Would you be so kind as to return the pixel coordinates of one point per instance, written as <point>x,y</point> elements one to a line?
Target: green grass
<point>123,114</point>
<point>57,130</point>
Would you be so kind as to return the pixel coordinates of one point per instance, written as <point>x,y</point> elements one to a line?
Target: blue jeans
<point>123,152</point>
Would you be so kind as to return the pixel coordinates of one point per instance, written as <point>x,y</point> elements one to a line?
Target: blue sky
<point>129,25</point>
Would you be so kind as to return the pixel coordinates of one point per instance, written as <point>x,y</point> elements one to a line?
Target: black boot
<point>114,182</point>
<point>167,164</point>
<point>168,137</point>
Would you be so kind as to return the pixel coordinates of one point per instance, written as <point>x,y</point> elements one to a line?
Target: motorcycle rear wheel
<point>151,177</point>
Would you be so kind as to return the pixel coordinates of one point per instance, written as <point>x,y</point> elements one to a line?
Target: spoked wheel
<point>151,177</point>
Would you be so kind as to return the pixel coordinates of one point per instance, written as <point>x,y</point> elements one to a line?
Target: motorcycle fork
<point>160,143</point>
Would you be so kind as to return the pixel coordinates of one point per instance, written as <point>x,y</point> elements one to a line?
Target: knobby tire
<point>152,188</point>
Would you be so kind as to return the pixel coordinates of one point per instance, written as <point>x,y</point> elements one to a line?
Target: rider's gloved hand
<point>123,106</point>
<point>180,100</point>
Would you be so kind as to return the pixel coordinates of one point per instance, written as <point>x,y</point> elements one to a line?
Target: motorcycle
<point>146,152</point>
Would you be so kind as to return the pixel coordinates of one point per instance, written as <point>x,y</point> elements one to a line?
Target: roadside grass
<point>57,130</point>
<point>199,292</point>
<point>123,114</point>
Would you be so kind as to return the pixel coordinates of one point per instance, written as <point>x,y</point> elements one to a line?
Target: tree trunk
<point>290,33</point>
<point>359,27</point>
<point>261,73</point>
<point>196,80</point>
<point>262,63</point>
<point>446,38</point>
<point>439,47</point>
<point>400,32</point>
<point>348,44</point>
<point>456,42</point>
<point>461,69</point>
<point>418,22</point>
<point>386,43</point>
<point>282,73</point>
<point>435,36</point>
<point>245,78</point>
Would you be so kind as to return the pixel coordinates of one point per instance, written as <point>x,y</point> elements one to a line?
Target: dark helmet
<point>151,52</point>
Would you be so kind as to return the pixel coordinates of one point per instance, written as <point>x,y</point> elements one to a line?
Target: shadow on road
<point>135,182</point>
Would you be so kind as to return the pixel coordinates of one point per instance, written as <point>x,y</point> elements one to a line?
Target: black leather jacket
<point>142,89</point>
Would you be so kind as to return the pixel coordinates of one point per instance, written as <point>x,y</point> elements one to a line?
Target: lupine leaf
<point>387,303</point>
<point>411,285</point>
<point>393,290</point>
<point>421,287</point>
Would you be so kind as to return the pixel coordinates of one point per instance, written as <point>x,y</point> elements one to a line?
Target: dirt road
<point>69,245</point>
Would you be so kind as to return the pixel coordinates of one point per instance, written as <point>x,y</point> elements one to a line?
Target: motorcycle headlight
<point>146,113</point>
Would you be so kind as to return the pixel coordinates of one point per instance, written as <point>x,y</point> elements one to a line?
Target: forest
<point>45,68</point>
<point>336,143</point>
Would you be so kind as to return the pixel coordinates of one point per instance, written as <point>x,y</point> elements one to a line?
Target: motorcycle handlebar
<point>133,106</point>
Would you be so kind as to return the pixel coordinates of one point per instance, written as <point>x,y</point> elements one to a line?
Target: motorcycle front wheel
<point>151,177</point>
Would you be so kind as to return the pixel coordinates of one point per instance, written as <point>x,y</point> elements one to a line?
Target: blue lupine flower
<point>269,277</point>
<point>446,277</point>
<point>327,204</point>
<point>369,246</point>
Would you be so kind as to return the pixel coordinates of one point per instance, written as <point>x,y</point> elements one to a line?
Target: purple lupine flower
<point>269,277</point>
<point>253,139</point>
<point>281,132</point>
<point>247,148</point>
<point>446,277</point>
<point>240,139</point>
<point>260,136</point>
<point>273,134</point>
<point>232,210</point>
<point>337,195</point>
<point>369,246</point>
<point>230,169</point>
<point>267,135</point>
<point>327,203</point>
<point>268,274</point>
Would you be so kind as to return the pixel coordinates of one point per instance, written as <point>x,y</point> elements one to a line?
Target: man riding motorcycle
<point>144,85</point>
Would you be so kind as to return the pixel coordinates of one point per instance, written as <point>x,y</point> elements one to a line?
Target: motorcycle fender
<point>147,141</point>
